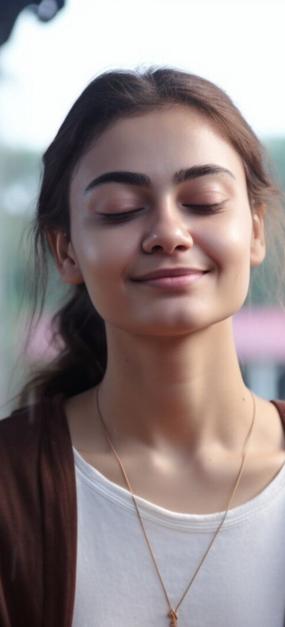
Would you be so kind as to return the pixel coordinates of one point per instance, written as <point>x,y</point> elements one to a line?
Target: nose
<point>167,234</point>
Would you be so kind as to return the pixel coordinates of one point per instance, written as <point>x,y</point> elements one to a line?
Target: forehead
<point>158,143</point>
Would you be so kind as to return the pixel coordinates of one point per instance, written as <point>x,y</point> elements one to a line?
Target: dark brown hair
<point>81,361</point>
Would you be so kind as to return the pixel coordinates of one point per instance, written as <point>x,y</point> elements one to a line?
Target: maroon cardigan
<point>38,521</point>
<point>37,518</point>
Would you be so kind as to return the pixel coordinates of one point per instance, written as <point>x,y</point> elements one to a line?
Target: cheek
<point>229,243</point>
<point>103,255</point>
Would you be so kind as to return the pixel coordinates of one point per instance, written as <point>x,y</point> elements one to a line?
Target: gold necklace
<point>173,611</point>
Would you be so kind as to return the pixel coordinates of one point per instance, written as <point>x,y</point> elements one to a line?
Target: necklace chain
<point>172,615</point>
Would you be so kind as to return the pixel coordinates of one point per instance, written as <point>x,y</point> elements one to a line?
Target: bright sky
<point>239,44</point>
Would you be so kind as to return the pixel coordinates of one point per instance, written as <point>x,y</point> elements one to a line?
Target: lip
<point>171,273</point>
<point>172,279</point>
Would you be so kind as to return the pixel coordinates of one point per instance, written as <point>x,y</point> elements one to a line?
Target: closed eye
<point>119,216</point>
<point>205,208</point>
<point>123,216</point>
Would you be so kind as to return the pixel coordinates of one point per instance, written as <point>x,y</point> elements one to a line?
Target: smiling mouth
<point>171,273</point>
<point>172,279</point>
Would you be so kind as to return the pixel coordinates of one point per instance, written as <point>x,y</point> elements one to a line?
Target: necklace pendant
<point>173,618</point>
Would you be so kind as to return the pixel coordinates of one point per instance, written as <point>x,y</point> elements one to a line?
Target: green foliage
<point>19,181</point>
<point>266,281</point>
<point>276,150</point>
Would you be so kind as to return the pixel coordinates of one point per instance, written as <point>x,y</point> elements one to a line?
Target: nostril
<point>168,242</point>
<point>181,247</point>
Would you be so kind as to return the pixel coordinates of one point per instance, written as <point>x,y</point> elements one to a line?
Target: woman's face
<point>163,193</point>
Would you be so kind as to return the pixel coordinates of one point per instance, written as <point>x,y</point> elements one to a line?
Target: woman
<point>143,483</point>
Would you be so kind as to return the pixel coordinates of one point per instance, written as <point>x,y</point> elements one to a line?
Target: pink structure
<point>40,347</point>
<point>260,334</point>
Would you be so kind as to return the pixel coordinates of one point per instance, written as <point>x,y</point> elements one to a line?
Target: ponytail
<point>81,361</point>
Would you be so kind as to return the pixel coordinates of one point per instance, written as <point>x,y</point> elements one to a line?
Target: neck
<point>184,391</point>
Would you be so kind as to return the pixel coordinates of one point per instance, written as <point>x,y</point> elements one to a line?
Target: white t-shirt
<point>241,583</point>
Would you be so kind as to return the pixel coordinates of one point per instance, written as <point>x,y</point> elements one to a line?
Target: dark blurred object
<point>10,9</point>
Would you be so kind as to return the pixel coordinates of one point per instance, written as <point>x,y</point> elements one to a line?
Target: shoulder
<point>20,423</point>
<point>36,464</point>
<point>30,432</point>
<point>19,435</point>
<point>38,510</point>
<point>280,406</point>
<point>26,423</point>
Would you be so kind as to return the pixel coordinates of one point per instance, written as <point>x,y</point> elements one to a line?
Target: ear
<point>257,247</point>
<point>65,257</point>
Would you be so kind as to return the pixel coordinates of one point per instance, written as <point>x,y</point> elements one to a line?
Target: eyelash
<point>204,209</point>
<point>119,217</point>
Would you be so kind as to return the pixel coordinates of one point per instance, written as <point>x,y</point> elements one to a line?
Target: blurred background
<point>49,51</point>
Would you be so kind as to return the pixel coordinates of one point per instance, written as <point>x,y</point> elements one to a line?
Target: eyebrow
<point>142,180</point>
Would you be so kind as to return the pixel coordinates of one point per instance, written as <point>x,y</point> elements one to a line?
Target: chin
<point>176,322</point>
<point>171,328</point>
